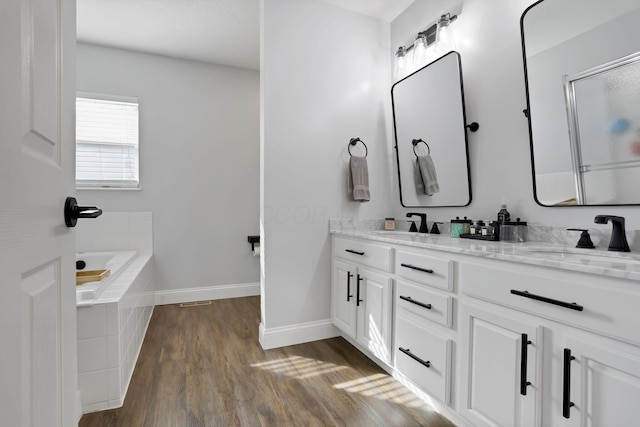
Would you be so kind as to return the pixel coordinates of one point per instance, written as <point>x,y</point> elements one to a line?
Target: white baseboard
<point>78,405</point>
<point>296,334</point>
<point>176,296</point>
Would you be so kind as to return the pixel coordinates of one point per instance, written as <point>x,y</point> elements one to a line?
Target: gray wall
<point>488,39</point>
<point>324,80</point>
<point>199,161</point>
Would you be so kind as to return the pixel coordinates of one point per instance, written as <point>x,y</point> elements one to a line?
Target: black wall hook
<point>473,126</point>
<point>354,141</point>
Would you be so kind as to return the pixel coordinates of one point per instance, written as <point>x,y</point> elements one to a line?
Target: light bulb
<point>444,41</point>
<point>401,61</point>
<point>420,50</point>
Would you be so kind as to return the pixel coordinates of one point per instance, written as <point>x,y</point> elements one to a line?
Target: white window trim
<point>113,185</point>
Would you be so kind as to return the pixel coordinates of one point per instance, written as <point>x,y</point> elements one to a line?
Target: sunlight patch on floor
<point>299,367</point>
<point>384,387</point>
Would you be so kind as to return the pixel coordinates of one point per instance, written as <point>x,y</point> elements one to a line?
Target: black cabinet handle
<point>358,300</point>
<point>349,276</point>
<point>413,267</point>
<point>414,357</point>
<point>523,364</point>
<point>411,300</point>
<point>526,294</point>
<point>351,251</point>
<point>566,383</point>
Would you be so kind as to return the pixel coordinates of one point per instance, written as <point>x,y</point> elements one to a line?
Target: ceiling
<point>218,31</point>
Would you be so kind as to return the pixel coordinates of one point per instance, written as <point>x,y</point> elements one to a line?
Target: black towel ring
<point>418,141</point>
<point>354,141</point>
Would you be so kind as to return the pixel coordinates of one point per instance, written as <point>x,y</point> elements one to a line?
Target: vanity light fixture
<point>442,34</point>
<point>432,36</point>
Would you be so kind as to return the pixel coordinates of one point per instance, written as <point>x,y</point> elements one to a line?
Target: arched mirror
<point>582,71</point>
<point>431,139</point>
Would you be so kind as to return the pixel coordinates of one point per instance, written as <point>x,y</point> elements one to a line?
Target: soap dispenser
<point>503,214</point>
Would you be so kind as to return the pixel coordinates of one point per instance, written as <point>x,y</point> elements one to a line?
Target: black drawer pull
<point>414,357</point>
<point>523,364</point>
<point>413,267</point>
<point>412,301</point>
<point>349,276</point>
<point>358,280</point>
<point>526,294</point>
<point>351,251</point>
<point>566,383</point>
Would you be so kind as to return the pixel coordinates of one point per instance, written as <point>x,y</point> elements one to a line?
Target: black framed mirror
<point>430,136</point>
<point>582,74</point>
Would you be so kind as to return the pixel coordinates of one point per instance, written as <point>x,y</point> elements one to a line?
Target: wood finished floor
<point>203,366</point>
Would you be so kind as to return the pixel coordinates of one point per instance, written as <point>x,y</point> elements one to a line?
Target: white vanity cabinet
<point>361,296</point>
<point>583,362</point>
<point>604,384</point>
<point>495,339</point>
<point>501,379</point>
<point>423,314</point>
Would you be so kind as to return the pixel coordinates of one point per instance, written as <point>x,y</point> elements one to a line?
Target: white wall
<point>488,38</point>
<point>324,79</point>
<point>199,162</point>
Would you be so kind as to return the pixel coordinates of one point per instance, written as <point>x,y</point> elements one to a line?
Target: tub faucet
<point>618,235</point>
<point>423,221</point>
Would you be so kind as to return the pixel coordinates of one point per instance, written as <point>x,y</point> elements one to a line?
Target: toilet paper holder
<point>253,240</point>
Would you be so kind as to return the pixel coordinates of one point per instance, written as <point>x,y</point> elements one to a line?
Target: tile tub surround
<point>110,334</point>
<point>116,231</point>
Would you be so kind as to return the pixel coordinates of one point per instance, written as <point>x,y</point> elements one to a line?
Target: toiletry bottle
<point>503,215</point>
<point>487,228</point>
<point>475,228</point>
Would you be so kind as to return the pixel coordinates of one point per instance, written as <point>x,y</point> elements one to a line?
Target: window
<point>106,141</point>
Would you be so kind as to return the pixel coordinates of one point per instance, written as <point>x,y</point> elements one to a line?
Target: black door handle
<point>413,267</point>
<point>523,364</point>
<point>414,357</point>
<point>351,251</point>
<point>72,212</point>
<point>526,294</point>
<point>358,300</point>
<point>349,276</point>
<point>411,300</point>
<point>566,383</point>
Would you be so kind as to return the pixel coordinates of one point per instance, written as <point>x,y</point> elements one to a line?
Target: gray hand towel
<point>358,179</point>
<point>428,174</point>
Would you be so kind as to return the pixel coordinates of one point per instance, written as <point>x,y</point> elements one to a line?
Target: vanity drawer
<point>425,269</point>
<point>424,302</point>
<point>363,252</point>
<point>599,304</point>
<point>423,357</point>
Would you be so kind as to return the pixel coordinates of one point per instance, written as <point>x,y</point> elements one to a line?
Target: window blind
<point>106,142</point>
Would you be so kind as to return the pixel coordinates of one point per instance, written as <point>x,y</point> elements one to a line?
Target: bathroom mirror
<point>429,122</point>
<point>582,74</point>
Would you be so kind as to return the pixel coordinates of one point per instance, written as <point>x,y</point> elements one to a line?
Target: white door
<point>37,292</point>
<point>374,313</point>
<point>605,385</point>
<point>343,297</point>
<point>498,363</point>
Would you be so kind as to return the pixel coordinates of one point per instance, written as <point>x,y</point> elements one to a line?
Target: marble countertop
<point>590,261</point>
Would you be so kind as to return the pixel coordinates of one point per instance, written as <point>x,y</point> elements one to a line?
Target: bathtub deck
<point>203,366</point>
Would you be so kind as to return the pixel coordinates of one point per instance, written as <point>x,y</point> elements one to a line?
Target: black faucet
<point>618,235</point>
<point>423,221</point>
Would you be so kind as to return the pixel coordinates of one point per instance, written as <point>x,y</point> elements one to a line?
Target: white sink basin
<point>582,256</point>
